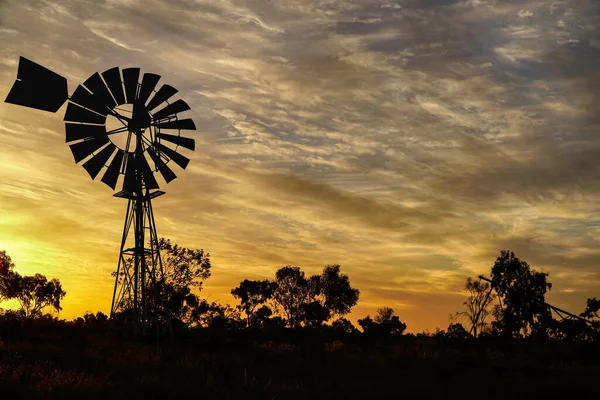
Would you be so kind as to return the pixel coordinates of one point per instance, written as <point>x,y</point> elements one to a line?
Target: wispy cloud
<point>408,140</point>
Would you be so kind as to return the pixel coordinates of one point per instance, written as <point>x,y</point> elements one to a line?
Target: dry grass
<point>79,364</point>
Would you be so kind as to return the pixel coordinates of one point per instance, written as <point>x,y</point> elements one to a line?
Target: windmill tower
<point>126,132</point>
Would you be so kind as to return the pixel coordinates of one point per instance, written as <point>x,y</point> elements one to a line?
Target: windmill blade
<point>164,93</point>
<point>112,173</point>
<point>186,124</point>
<point>95,164</point>
<point>180,160</point>
<point>76,113</point>
<point>112,77</point>
<point>164,169</point>
<point>179,140</point>
<point>129,184</point>
<point>96,85</point>
<point>147,173</point>
<point>171,109</point>
<point>83,149</point>
<point>149,82</point>
<point>38,87</point>
<point>131,77</point>
<point>81,131</point>
<point>85,99</point>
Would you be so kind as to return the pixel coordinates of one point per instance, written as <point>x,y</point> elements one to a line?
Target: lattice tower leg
<point>136,296</point>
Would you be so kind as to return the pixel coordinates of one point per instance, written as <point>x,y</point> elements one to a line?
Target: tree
<point>314,314</point>
<point>314,300</point>
<point>216,316</point>
<point>184,270</point>
<point>98,319</point>
<point>262,317</point>
<point>592,313</point>
<point>477,305</point>
<point>592,309</point>
<point>521,292</point>
<point>6,263</point>
<point>35,293</point>
<point>7,276</point>
<point>184,267</point>
<point>343,325</point>
<point>332,289</point>
<point>292,293</point>
<point>457,331</point>
<point>385,323</point>
<point>253,294</point>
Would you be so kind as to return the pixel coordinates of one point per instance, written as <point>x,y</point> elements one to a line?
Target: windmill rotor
<point>153,123</point>
<point>125,130</point>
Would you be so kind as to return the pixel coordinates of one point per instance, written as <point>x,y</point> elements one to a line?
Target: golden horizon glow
<point>409,141</point>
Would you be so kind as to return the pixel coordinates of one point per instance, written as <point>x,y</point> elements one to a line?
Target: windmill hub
<point>140,119</point>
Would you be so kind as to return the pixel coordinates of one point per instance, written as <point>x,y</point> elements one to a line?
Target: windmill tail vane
<point>130,133</point>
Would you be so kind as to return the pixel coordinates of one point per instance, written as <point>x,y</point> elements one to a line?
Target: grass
<point>73,362</point>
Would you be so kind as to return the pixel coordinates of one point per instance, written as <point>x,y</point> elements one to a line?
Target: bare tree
<point>477,306</point>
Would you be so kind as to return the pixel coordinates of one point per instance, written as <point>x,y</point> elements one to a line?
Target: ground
<point>75,362</point>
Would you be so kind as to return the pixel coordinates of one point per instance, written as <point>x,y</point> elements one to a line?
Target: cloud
<point>408,140</point>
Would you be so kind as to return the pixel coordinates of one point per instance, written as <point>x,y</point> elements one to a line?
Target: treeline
<point>513,305</point>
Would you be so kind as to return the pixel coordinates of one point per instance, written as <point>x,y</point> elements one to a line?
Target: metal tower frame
<point>140,275</point>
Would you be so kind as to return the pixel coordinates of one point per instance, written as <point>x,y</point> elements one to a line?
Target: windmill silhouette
<point>116,124</point>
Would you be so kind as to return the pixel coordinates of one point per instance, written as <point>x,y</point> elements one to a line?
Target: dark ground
<point>75,362</point>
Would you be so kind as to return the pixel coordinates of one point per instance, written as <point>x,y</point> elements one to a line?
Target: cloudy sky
<point>410,141</point>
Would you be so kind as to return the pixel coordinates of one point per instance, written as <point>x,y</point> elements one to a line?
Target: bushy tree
<point>385,323</point>
<point>7,276</point>
<point>185,270</point>
<point>216,316</point>
<point>521,291</point>
<point>343,325</point>
<point>253,294</point>
<point>35,293</point>
<point>457,331</point>
<point>313,301</point>
<point>98,319</point>
<point>292,293</point>
<point>334,292</point>
<point>592,314</point>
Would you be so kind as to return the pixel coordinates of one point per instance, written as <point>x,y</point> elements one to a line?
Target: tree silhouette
<point>262,317</point>
<point>35,293</point>
<point>314,300</point>
<point>478,305</point>
<point>592,313</point>
<point>253,294</point>
<point>343,325</point>
<point>385,323</point>
<point>184,272</point>
<point>217,316</point>
<point>184,267</point>
<point>457,331</point>
<point>7,276</point>
<point>93,320</point>
<point>292,293</point>
<point>314,314</point>
<point>592,309</point>
<point>333,291</point>
<point>521,292</point>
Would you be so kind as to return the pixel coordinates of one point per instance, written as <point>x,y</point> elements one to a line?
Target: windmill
<point>126,132</point>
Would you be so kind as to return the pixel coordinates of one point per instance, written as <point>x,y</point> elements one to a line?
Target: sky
<point>409,141</point>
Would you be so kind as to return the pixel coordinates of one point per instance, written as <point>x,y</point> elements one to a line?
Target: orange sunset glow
<point>407,143</point>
